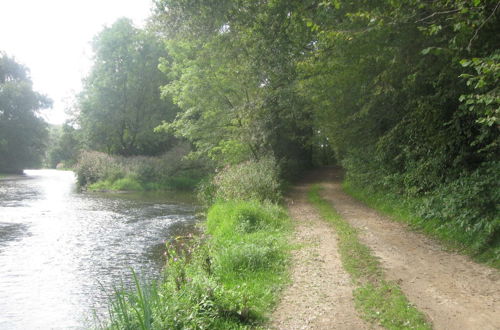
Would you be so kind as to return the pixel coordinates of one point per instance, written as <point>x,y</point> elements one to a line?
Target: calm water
<point>61,252</point>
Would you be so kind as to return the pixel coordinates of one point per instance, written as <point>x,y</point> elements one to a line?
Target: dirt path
<point>320,296</point>
<point>453,291</point>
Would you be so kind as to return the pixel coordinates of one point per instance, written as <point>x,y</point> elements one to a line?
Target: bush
<point>251,180</point>
<point>468,206</point>
<point>100,171</point>
<point>95,166</point>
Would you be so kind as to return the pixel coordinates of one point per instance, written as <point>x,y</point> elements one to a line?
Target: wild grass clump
<point>100,171</point>
<point>228,279</point>
<point>250,180</point>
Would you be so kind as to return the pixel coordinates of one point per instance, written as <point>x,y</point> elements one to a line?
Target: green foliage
<point>23,133</point>
<point>228,280</point>
<point>483,83</point>
<point>244,217</point>
<point>63,147</point>
<point>404,94</point>
<point>95,166</point>
<point>232,74</point>
<point>122,184</point>
<point>377,299</point>
<point>257,180</point>
<point>407,97</point>
<point>120,103</point>
<point>100,171</point>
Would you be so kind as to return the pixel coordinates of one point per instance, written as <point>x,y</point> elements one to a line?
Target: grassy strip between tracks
<point>377,299</point>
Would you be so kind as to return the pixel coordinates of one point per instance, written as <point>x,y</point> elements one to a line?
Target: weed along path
<point>320,295</point>
<point>451,290</point>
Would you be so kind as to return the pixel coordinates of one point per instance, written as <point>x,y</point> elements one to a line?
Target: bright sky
<point>52,38</point>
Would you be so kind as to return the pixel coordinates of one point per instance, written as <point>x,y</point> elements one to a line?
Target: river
<point>62,252</point>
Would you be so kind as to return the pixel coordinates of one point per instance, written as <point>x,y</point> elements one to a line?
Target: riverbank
<point>97,171</point>
<point>229,277</point>
<point>132,183</point>
<point>10,176</point>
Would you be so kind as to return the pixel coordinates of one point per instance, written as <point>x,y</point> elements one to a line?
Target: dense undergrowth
<point>378,299</point>
<point>463,214</point>
<point>229,277</point>
<point>99,171</point>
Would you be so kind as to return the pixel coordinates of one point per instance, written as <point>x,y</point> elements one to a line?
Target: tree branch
<point>438,13</point>
<point>480,26</point>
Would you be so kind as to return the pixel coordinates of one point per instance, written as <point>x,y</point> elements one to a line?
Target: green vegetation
<point>229,277</point>
<point>99,171</point>
<point>409,210</point>
<point>250,180</point>
<point>227,280</point>
<point>63,147</point>
<point>243,94</point>
<point>120,104</point>
<point>22,131</point>
<point>405,96</point>
<point>378,300</point>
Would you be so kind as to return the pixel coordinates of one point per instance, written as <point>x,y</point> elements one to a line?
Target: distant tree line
<point>22,132</point>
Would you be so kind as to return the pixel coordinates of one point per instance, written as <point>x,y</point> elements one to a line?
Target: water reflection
<point>58,247</point>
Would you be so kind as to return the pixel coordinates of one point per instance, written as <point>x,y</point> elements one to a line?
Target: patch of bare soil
<point>320,295</point>
<point>454,292</point>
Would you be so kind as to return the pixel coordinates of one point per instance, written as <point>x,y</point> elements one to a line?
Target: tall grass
<point>134,309</point>
<point>228,279</point>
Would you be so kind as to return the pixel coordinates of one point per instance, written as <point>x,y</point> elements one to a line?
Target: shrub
<point>468,204</point>
<point>257,180</point>
<point>94,166</point>
<point>100,171</point>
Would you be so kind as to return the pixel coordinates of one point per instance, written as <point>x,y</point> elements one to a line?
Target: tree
<point>22,132</point>
<point>64,146</point>
<point>120,104</point>
<point>232,68</point>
